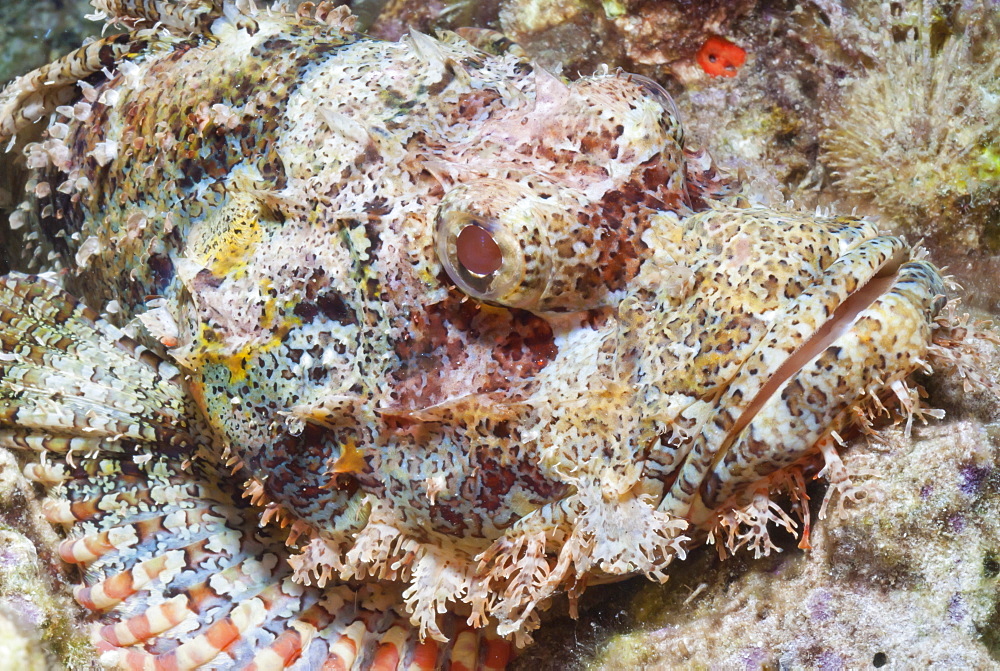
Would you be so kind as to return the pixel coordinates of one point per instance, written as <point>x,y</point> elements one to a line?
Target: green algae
<point>37,623</point>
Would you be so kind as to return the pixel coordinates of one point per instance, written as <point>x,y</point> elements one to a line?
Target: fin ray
<point>67,374</point>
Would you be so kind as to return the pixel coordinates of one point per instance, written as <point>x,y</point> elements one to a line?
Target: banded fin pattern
<point>176,572</point>
<point>70,382</point>
<point>179,577</point>
<point>35,95</point>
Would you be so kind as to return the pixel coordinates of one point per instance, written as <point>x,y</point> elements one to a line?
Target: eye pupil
<point>477,251</point>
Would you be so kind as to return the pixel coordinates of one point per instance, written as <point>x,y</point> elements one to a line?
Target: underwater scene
<point>499,334</point>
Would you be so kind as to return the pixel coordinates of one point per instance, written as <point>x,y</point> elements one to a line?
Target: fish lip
<point>916,280</point>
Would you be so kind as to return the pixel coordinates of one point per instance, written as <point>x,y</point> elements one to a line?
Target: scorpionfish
<point>361,351</point>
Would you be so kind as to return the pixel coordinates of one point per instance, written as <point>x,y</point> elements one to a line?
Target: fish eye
<point>515,244</point>
<point>481,256</point>
<point>477,251</point>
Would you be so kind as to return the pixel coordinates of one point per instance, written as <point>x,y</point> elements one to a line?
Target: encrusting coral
<point>39,628</point>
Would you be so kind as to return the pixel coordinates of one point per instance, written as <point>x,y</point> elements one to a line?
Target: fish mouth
<point>875,334</point>
<point>840,321</point>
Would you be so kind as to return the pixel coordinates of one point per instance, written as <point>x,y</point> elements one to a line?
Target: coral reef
<point>577,37</point>
<point>650,38</point>
<point>923,554</point>
<point>21,616</point>
<point>917,133</point>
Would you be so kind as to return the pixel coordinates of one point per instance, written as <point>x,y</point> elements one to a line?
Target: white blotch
<point>105,152</point>
<point>89,248</point>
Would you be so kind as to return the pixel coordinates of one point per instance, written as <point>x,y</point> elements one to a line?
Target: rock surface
<point>39,622</point>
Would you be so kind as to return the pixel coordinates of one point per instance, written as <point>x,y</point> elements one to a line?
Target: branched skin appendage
<point>423,336</point>
<point>184,17</point>
<point>36,94</point>
<point>959,346</point>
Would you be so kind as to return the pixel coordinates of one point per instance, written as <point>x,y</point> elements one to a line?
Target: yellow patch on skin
<point>237,365</point>
<point>210,350</point>
<point>225,242</point>
<point>350,460</point>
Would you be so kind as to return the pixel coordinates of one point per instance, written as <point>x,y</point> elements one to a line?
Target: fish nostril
<point>477,251</point>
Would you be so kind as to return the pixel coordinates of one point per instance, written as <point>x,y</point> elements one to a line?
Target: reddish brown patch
<point>298,468</point>
<point>473,104</point>
<point>200,596</point>
<point>703,186</point>
<point>493,485</point>
<point>498,652</point>
<point>545,144</point>
<point>622,217</point>
<point>400,425</point>
<point>425,655</point>
<point>593,143</point>
<point>446,519</point>
<point>500,347</point>
<point>528,346</point>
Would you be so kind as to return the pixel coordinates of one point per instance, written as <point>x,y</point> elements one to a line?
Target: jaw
<point>866,326</point>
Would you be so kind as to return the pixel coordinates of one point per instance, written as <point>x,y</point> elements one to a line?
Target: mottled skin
<point>276,201</point>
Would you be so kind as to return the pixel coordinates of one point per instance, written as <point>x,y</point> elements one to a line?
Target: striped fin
<point>177,573</point>
<point>70,382</point>
<point>34,96</point>
<point>181,18</point>
<point>184,578</point>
